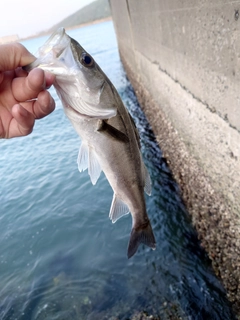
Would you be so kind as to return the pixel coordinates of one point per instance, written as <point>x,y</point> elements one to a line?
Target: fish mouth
<point>55,38</point>
<point>53,44</point>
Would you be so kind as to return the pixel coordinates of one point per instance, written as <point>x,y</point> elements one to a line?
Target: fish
<point>109,138</point>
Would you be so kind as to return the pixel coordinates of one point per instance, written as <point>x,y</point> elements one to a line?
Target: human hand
<point>23,97</point>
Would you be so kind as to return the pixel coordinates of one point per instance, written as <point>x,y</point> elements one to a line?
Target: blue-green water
<point>61,257</point>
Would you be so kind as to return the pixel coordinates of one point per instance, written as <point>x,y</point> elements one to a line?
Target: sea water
<point>61,257</point>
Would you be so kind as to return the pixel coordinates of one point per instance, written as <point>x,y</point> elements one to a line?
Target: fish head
<point>90,73</point>
<point>80,82</point>
<point>64,56</point>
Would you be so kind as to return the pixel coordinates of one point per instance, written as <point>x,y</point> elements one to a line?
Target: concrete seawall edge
<point>215,220</point>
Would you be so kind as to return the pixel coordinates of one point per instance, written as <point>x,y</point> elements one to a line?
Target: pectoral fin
<point>104,127</point>
<point>118,209</point>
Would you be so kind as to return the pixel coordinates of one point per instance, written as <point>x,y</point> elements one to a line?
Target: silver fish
<point>109,138</point>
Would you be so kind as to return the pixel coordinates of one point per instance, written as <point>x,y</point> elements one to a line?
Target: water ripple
<point>62,258</point>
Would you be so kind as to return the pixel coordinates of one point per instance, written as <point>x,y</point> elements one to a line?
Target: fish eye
<point>87,60</point>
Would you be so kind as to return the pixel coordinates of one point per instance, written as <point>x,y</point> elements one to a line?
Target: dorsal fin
<point>148,183</point>
<point>135,131</point>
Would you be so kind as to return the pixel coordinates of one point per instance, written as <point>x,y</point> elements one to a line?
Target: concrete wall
<point>183,59</point>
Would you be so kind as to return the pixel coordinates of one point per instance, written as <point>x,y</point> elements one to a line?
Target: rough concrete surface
<point>182,58</point>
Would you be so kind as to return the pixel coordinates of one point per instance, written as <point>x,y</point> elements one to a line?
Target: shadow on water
<point>27,304</point>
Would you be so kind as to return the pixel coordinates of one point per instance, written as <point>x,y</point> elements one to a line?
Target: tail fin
<point>142,234</point>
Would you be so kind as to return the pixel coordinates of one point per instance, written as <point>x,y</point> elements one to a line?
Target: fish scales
<point>109,138</point>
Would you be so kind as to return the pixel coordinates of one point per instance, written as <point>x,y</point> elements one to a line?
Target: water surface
<point>61,257</point>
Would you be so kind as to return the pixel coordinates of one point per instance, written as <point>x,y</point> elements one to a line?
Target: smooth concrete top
<point>195,42</point>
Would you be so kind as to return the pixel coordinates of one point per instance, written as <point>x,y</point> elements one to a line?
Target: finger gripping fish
<point>109,138</point>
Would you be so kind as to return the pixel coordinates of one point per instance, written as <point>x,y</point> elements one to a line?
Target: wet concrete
<point>181,58</point>
<point>215,222</point>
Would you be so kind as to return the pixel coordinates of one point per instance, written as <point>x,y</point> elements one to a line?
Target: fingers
<point>26,88</point>
<point>29,90</point>
<point>32,87</point>
<point>49,78</point>
<point>24,117</point>
<point>14,55</point>
<point>41,107</point>
<point>22,122</point>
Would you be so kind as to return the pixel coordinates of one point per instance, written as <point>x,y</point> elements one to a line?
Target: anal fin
<point>118,209</point>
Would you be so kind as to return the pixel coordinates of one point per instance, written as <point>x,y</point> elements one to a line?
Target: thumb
<point>13,56</point>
